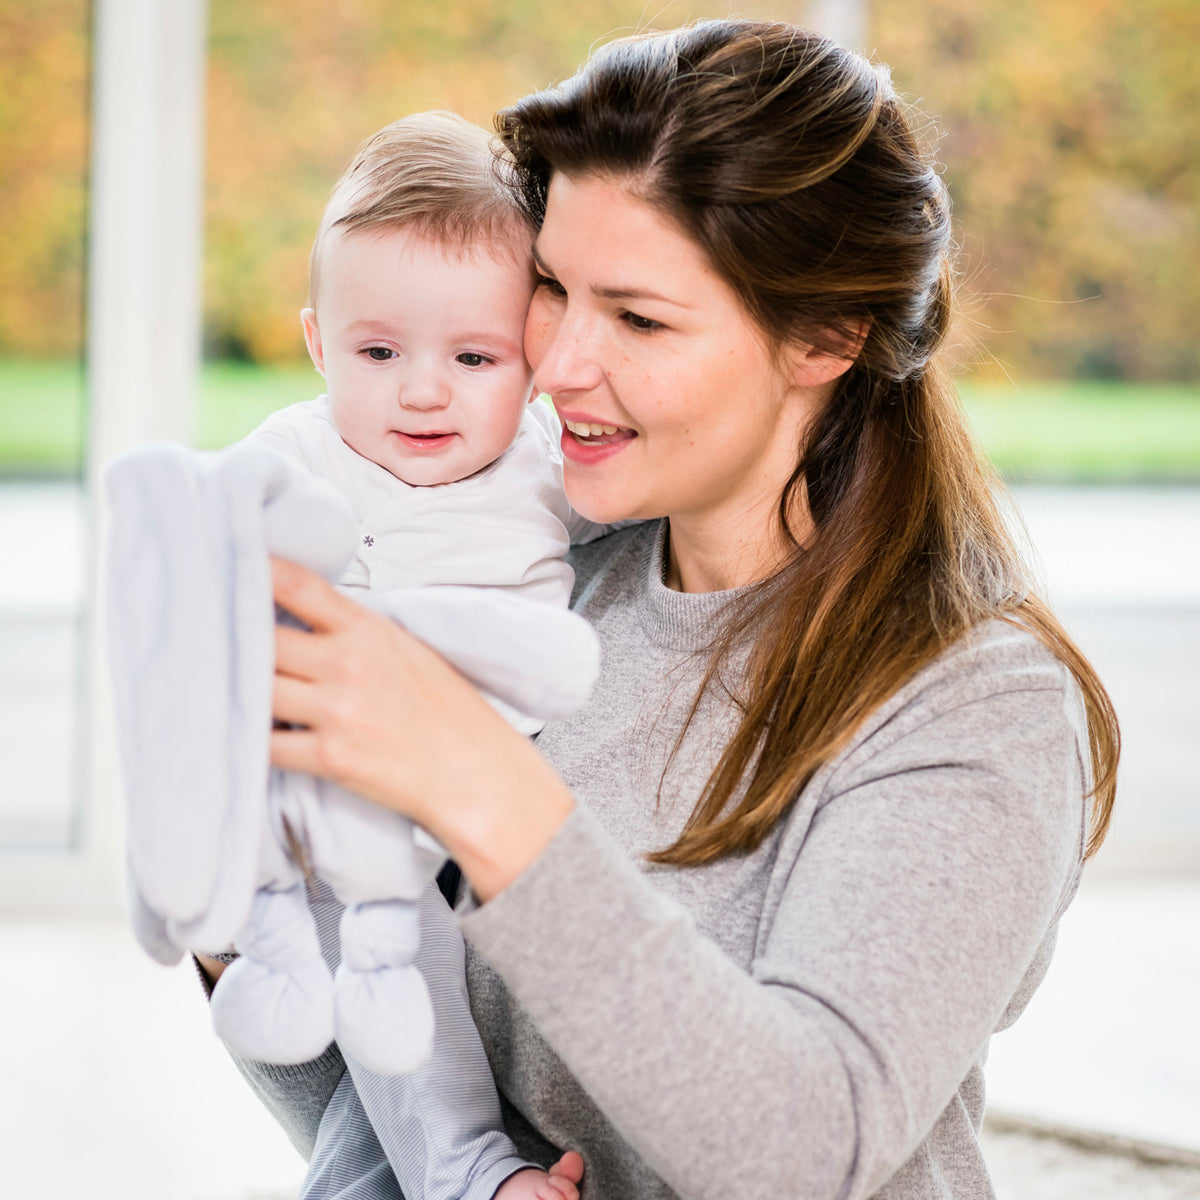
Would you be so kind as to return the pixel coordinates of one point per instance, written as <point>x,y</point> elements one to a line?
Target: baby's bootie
<point>275,1002</point>
<point>384,1013</point>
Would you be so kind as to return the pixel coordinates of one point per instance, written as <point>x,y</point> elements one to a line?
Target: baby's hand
<point>557,1184</point>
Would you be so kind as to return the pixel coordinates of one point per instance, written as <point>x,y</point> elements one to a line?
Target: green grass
<point>43,409</point>
<point>1050,431</point>
<point>1102,432</point>
<point>42,417</point>
<point>235,397</point>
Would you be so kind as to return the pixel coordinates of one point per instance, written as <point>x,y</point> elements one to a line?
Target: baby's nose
<point>424,390</point>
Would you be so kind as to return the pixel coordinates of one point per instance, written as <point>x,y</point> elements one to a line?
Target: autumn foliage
<point>1069,129</point>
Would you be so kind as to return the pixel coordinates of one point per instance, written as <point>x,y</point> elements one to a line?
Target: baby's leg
<point>439,1127</point>
<point>441,1124</point>
<point>348,1162</point>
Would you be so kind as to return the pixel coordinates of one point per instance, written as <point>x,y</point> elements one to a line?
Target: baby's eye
<point>545,283</point>
<point>470,358</point>
<point>379,353</point>
<point>641,324</point>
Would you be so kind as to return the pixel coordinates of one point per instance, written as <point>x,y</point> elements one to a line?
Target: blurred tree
<point>1070,136</point>
<point>292,91</point>
<point>43,174</point>
<point>1071,130</point>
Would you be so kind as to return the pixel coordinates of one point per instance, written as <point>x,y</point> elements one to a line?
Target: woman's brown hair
<point>796,167</point>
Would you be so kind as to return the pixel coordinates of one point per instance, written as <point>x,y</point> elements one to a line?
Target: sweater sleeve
<point>295,1094</point>
<point>913,897</point>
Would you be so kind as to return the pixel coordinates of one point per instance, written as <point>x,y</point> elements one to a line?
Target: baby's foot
<point>556,1184</point>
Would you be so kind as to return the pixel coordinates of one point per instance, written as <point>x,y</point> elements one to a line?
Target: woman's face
<point>671,401</point>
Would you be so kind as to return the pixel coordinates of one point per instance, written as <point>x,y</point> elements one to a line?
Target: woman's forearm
<point>913,894</point>
<point>495,832</point>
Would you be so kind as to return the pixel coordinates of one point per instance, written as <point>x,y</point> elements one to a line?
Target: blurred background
<point>162,168</point>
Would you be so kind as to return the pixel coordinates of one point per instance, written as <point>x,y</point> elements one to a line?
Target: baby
<point>420,277</point>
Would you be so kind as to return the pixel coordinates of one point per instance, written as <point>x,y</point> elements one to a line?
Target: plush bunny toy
<point>214,832</point>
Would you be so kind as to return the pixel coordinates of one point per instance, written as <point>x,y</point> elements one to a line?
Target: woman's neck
<point>717,554</point>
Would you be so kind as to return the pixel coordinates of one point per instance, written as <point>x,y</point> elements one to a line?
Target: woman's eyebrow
<point>632,293</point>
<point>615,292</point>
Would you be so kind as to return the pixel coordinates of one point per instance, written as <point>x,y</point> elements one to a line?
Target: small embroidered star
<point>368,540</point>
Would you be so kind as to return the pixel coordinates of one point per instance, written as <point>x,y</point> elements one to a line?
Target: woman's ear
<point>810,366</point>
<point>312,338</point>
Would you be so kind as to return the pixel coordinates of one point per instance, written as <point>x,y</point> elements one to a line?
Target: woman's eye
<point>469,358</point>
<point>641,324</point>
<point>379,353</point>
<point>545,283</point>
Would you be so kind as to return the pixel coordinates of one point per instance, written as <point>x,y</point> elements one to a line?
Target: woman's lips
<point>588,448</point>
<point>424,442</point>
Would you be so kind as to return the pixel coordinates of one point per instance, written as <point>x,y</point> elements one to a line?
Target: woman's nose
<point>564,351</point>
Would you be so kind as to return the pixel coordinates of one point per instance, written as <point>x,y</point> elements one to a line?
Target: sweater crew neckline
<point>679,620</point>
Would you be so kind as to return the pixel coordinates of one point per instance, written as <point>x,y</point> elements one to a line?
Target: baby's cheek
<point>354,430</point>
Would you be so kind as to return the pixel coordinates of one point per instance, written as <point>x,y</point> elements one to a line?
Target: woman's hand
<point>386,716</point>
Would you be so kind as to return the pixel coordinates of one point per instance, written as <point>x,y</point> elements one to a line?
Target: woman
<point>743,926</point>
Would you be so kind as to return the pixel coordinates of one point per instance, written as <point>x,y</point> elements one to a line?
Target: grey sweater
<point>809,1020</point>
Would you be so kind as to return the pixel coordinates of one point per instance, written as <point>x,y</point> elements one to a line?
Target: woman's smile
<point>589,442</point>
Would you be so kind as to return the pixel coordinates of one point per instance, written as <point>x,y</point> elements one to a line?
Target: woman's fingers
<point>295,750</point>
<point>310,598</point>
<point>294,701</point>
<point>301,654</point>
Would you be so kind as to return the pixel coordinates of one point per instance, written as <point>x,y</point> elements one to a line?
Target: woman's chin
<point>607,510</point>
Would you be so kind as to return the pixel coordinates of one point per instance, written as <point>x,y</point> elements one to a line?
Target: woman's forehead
<point>599,225</point>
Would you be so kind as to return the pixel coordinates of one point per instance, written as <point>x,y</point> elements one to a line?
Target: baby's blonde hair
<point>433,172</point>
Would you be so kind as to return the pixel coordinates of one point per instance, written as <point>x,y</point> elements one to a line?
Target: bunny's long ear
<point>169,660</point>
<point>191,651</point>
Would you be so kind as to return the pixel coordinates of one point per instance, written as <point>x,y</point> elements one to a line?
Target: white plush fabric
<point>508,526</point>
<point>210,823</point>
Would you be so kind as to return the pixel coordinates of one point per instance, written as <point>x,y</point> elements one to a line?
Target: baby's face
<point>420,346</point>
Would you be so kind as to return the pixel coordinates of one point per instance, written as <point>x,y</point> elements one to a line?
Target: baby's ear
<point>312,338</point>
